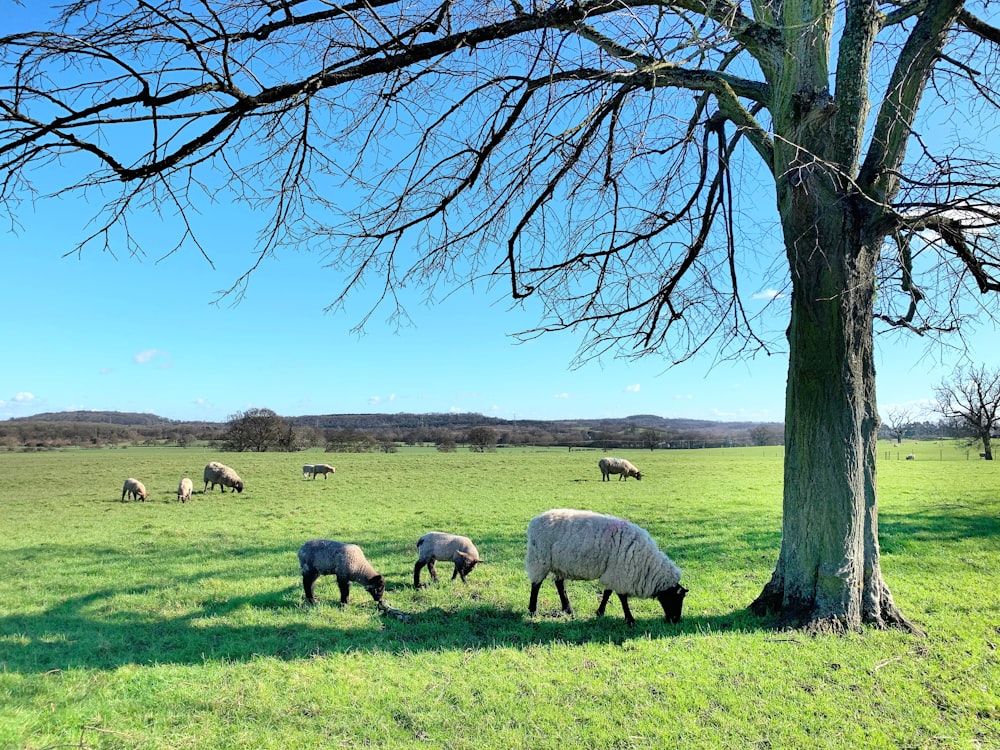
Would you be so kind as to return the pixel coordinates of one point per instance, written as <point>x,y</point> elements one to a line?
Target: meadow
<point>164,625</point>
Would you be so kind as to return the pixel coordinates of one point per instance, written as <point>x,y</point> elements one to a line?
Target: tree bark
<point>828,576</point>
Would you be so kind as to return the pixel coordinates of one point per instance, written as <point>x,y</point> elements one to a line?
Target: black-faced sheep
<point>323,469</point>
<point>134,489</point>
<point>437,545</point>
<point>620,466</point>
<point>184,490</point>
<point>585,546</point>
<point>345,561</point>
<point>222,475</point>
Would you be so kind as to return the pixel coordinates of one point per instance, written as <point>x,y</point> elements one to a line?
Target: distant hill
<point>125,418</point>
<point>405,421</point>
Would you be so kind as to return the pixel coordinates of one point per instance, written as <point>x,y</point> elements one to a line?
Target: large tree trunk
<point>828,576</point>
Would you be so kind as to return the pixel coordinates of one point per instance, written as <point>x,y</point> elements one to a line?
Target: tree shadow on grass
<point>945,523</point>
<point>66,636</point>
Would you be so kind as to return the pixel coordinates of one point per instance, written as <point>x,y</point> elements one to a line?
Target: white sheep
<point>307,470</point>
<point>323,469</point>
<point>345,561</point>
<point>584,546</point>
<point>184,490</point>
<point>620,466</point>
<point>437,545</point>
<point>222,475</point>
<point>135,489</point>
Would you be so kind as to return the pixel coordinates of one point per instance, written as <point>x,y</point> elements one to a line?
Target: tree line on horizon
<point>265,430</point>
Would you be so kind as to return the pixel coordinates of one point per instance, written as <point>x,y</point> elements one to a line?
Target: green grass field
<point>162,625</point>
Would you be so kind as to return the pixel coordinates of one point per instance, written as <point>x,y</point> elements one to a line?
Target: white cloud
<point>17,403</point>
<point>769,294</point>
<point>632,388</point>
<point>683,397</point>
<point>376,400</point>
<point>560,395</point>
<point>145,356</point>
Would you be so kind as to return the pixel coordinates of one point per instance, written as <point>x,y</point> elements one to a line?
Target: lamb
<point>437,545</point>
<point>584,546</point>
<point>307,470</point>
<point>134,489</point>
<point>323,469</point>
<point>219,474</point>
<point>184,490</point>
<point>346,561</point>
<point>620,466</point>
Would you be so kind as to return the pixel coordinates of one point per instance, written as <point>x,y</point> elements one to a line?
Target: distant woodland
<point>353,433</point>
<point>372,432</point>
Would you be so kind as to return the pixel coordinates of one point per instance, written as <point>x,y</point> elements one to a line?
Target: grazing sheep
<point>323,469</point>
<point>437,545</point>
<point>134,489</point>
<point>910,457</point>
<point>307,470</point>
<point>584,546</point>
<point>184,490</point>
<point>222,475</point>
<point>345,561</point>
<point>620,466</point>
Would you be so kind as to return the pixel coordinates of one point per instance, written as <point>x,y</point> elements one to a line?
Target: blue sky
<point>143,334</point>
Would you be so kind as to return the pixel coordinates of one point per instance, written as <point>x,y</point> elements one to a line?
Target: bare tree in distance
<point>898,419</point>
<point>258,430</point>
<point>598,158</point>
<point>971,400</point>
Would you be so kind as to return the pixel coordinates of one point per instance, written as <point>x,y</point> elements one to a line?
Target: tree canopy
<point>599,159</point>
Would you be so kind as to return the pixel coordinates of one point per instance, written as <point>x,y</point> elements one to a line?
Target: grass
<point>162,625</point>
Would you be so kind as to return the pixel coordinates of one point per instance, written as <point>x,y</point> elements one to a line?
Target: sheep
<point>307,470</point>
<point>323,469</point>
<point>910,457</point>
<point>219,474</point>
<point>620,466</point>
<point>437,545</point>
<point>584,546</point>
<point>184,490</point>
<point>134,489</point>
<point>346,561</point>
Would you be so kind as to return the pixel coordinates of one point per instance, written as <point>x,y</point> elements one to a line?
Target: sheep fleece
<point>585,546</point>
<point>336,558</point>
<point>222,475</point>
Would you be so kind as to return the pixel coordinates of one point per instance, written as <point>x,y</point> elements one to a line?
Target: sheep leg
<point>604,602</point>
<point>432,569</point>
<point>533,600</point>
<point>629,620</point>
<point>563,599</point>
<point>345,589</point>
<point>416,573</point>
<point>308,579</point>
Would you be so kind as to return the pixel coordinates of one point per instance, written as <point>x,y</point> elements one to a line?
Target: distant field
<point>161,625</point>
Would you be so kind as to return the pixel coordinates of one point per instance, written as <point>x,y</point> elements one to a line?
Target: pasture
<point>159,625</point>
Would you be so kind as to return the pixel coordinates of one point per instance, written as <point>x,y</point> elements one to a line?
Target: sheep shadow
<point>72,635</point>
